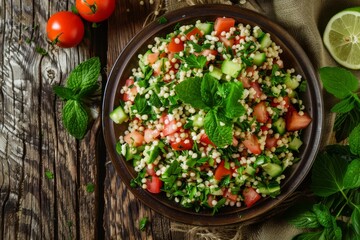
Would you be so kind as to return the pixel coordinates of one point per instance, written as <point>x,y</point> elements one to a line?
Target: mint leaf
<point>323,215</point>
<point>355,219</point>
<point>64,92</point>
<point>338,81</point>
<point>233,108</point>
<point>306,219</point>
<point>209,87</point>
<point>75,118</point>
<point>193,61</point>
<point>143,222</point>
<point>308,236</point>
<point>83,79</point>
<point>327,175</point>
<point>218,129</point>
<point>352,175</point>
<point>345,123</point>
<point>188,91</point>
<point>344,106</point>
<point>354,140</point>
<point>141,105</point>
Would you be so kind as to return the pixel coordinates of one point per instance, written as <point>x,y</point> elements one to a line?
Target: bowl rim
<point>189,14</point>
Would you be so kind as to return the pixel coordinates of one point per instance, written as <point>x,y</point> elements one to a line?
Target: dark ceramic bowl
<point>293,56</point>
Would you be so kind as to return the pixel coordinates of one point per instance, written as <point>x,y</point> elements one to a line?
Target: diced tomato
<point>252,144</point>
<point>295,121</point>
<point>229,195</point>
<point>152,58</point>
<point>174,47</point>
<point>256,87</point>
<point>151,134</point>
<point>235,142</point>
<point>134,138</point>
<point>151,171</point>
<point>246,79</point>
<point>204,140</point>
<point>154,184</point>
<point>223,24</point>
<point>170,126</point>
<point>221,171</point>
<point>250,196</point>
<point>270,142</point>
<point>227,42</point>
<point>194,32</point>
<point>133,90</point>
<point>207,52</point>
<point>260,112</point>
<point>184,144</point>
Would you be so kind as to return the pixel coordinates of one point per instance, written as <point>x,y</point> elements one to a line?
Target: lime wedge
<point>342,37</point>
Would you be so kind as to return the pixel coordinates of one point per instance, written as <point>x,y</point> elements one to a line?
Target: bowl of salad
<point>212,115</point>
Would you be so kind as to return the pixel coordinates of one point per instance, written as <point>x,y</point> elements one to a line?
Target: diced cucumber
<point>295,144</point>
<point>198,120</point>
<point>275,91</point>
<point>207,28</point>
<point>291,82</point>
<point>272,169</point>
<point>152,154</point>
<point>216,191</point>
<point>259,160</point>
<point>118,115</point>
<point>231,68</point>
<point>250,170</point>
<point>216,73</point>
<point>269,189</point>
<point>265,41</point>
<point>257,32</point>
<point>259,58</point>
<point>279,126</point>
<point>142,61</point>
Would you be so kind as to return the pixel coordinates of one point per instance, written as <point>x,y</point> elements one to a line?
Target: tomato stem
<point>92,7</point>
<point>56,40</point>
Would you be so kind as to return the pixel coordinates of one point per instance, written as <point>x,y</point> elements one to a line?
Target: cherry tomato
<point>65,29</point>
<point>95,10</point>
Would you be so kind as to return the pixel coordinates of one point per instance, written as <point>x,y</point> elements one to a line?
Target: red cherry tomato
<point>95,10</point>
<point>65,29</point>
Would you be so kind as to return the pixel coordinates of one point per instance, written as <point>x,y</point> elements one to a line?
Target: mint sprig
<point>81,83</point>
<point>219,100</point>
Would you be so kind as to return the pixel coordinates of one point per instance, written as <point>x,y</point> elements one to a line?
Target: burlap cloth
<point>306,21</point>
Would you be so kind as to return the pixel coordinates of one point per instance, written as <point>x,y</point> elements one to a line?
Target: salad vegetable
<point>213,116</point>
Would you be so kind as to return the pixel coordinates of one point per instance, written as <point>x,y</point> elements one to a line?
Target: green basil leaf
<point>345,123</point>
<point>333,232</point>
<point>344,106</point>
<point>75,118</point>
<point>83,79</point>
<point>354,140</point>
<point>306,219</point>
<point>218,129</point>
<point>209,87</point>
<point>64,92</point>
<point>352,175</point>
<point>233,108</point>
<point>355,219</point>
<point>338,81</point>
<point>327,175</point>
<point>323,215</point>
<point>308,236</point>
<point>189,92</point>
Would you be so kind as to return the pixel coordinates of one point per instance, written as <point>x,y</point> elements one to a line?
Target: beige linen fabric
<point>306,21</point>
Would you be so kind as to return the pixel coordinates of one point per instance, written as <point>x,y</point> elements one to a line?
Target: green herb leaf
<point>345,123</point>
<point>64,92</point>
<point>323,215</point>
<point>306,219</point>
<point>218,205</point>
<point>233,108</point>
<point>90,187</point>
<point>218,129</point>
<point>309,236</point>
<point>141,104</point>
<point>352,175</point>
<point>193,61</point>
<point>209,87</point>
<point>83,79</point>
<point>49,174</point>
<point>162,20</point>
<point>74,9</point>
<point>41,51</point>
<point>354,140</point>
<point>355,219</point>
<point>344,106</point>
<point>327,175</point>
<point>188,91</point>
<point>75,118</point>
<point>338,81</point>
<point>143,222</point>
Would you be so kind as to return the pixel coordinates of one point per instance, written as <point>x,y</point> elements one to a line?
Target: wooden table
<point>33,140</point>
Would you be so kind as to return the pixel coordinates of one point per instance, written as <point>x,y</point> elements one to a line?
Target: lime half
<point>342,37</point>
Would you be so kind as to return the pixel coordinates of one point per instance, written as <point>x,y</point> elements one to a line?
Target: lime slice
<point>342,37</point>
